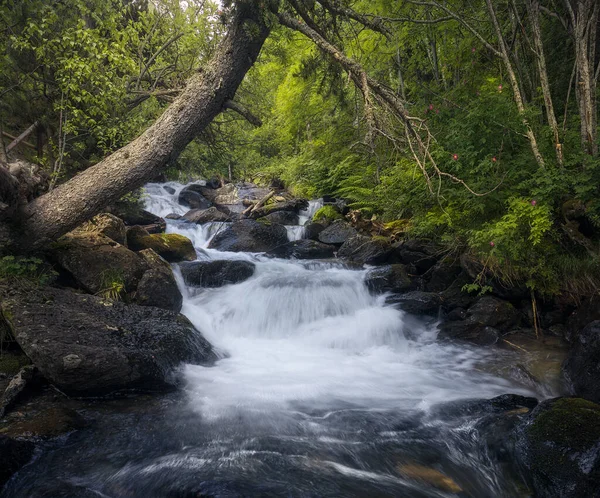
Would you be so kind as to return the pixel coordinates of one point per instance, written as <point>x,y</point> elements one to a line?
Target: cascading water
<point>321,390</point>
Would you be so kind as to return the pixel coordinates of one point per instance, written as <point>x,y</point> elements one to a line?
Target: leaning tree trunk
<point>85,195</point>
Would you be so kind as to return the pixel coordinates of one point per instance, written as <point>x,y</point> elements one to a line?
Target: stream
<point>321,391</point>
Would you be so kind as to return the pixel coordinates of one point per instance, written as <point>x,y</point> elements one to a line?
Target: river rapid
<point>320,390</point>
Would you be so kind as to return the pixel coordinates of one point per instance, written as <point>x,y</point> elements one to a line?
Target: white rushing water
<point>311,333</point>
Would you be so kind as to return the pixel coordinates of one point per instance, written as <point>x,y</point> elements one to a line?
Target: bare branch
<point>243,111</point>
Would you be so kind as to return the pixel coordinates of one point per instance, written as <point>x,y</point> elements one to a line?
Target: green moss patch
<point>326,214</point>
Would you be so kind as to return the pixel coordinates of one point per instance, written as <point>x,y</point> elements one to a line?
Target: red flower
<point>431,107</point>
<point>473,50</point>
<point>494,159</point>
<point>533,202</point>
<point>455,157</point>
<point>492,243</point>
<point>500,88</point>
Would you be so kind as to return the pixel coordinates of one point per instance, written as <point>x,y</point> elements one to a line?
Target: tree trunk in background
<point>85,195</point>
<point>584,20</point>
<point>533,8</point>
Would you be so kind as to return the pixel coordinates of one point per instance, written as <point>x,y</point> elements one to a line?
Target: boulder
<point>105,224</point>
<point>250,236</point>
<point>132,214</point>
<point>294,206</point>
<point>327,215</point>
<point>14,454</point>
<point>483,321</point>
<point>559,448</point>
<point>158,287</point>
<point>422,255</point>
<point>389,278</point>
<point>303,249</point>
<point>455,297</point>
<point>337,233</point>
<point>201,216</point>
<point>587,312</point>
<point>312,230</point>
<point>227,194</point>
<point>582,366</point>
<point>173,216</point>
<point>170,246</point>
<point>214,183</point>
<point>95,261</point>
<point>417,302</point>
<point>216,273</point>
<point>86,346</point>
<point>169,190</point>
<point>282,217</point>
<point>366,250</point>
<point>192,199</point>
<point>442,275</point>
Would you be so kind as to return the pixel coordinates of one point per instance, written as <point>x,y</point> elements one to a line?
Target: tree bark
<point>204,97</point>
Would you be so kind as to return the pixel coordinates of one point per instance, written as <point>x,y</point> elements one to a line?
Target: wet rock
<point>45,423</point>
<point>216,273</point>
<point>15,387</point>
<point>389,278</point>
<point>312,230</point>
<point>484,320</point>
<point>421,255</point>
<point>205,215</point>
<point>14,454</point>
<point>294,206</point>
<point>95,261</point>
<point>281,217</point>
<point>327,215</point>
<point>582,366</point>
<point>480,407</point>
<point>303,249</point>
<point>173,216</point>
<point>188,197</point>
<point>429,476</point>
<point>337,233</point>
<point>559,448</point>
<point>442,275</point>
<point>133,214</point>
<point>455,297</point>
<point>250,236</point>
<point>214,183</point>
<point>170,246</point>
<point>587,312</point>
<point>158,287</point>
<point>366,250</point>
<point>417,302</point>
<point>227,194</point>
<point>105,224</point>
<point>86,346</point>
<point>169,190</point>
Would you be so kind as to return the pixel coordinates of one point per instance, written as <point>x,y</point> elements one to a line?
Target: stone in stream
<point>417,302</point>
<point>249,236</point>
<point>582,366</point>
<point>337,233</point>
<point>389,278</point>
<point>191,198</point>
<point>559,448</point>
<point>367,250</point>
<point>133,215</point>
<point>303,249</point>
<point>312,230</point>
<point>158,287</point>
<point>216,273</point>
<point>201,216</point>
<point>294,206</point>
<point>93,260</point>
<point>87,346</point>
<point>281,217</point>
<point>170,246</point>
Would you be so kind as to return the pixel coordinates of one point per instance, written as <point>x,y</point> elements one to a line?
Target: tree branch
<point>244,112</point>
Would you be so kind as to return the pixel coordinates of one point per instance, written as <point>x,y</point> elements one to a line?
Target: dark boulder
<point>282,217</point>
<point>421,255</point>
<point>366,250</point>
<point>582,366</point>
<point>214,183</point>
<point>201,216</point>
<point>312,230</point>
<point>158,287</point>
<point>337,233</point>
<point>86,346</point>
<point>417,302</point>
<point>587,312</point>
<point>169,190</point>
<point>173,216</point>
<point>170,246</point>
<point>389,278</point>
<point>216,273</point>
<point>483,322</point>
<point>455,297</point>
<point>558,447</point>
<point>95,261</point>
<point>303,249</point>
<point>133,214</point>
<point>294,205</point>
<point>193,199</point>
<point>250,236</point>
<point>442,275</point>
<point>105,224</point>
<point>14,454</point>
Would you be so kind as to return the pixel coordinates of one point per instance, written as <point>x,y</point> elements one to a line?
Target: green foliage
<point>113,286</point>
<point>326,214</point>
<point>22,269</point>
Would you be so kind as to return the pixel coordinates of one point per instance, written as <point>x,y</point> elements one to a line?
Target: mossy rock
<point>560,447</point>
<point>170,246</point>
<point>327,215</point>
<point>11,362</point>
